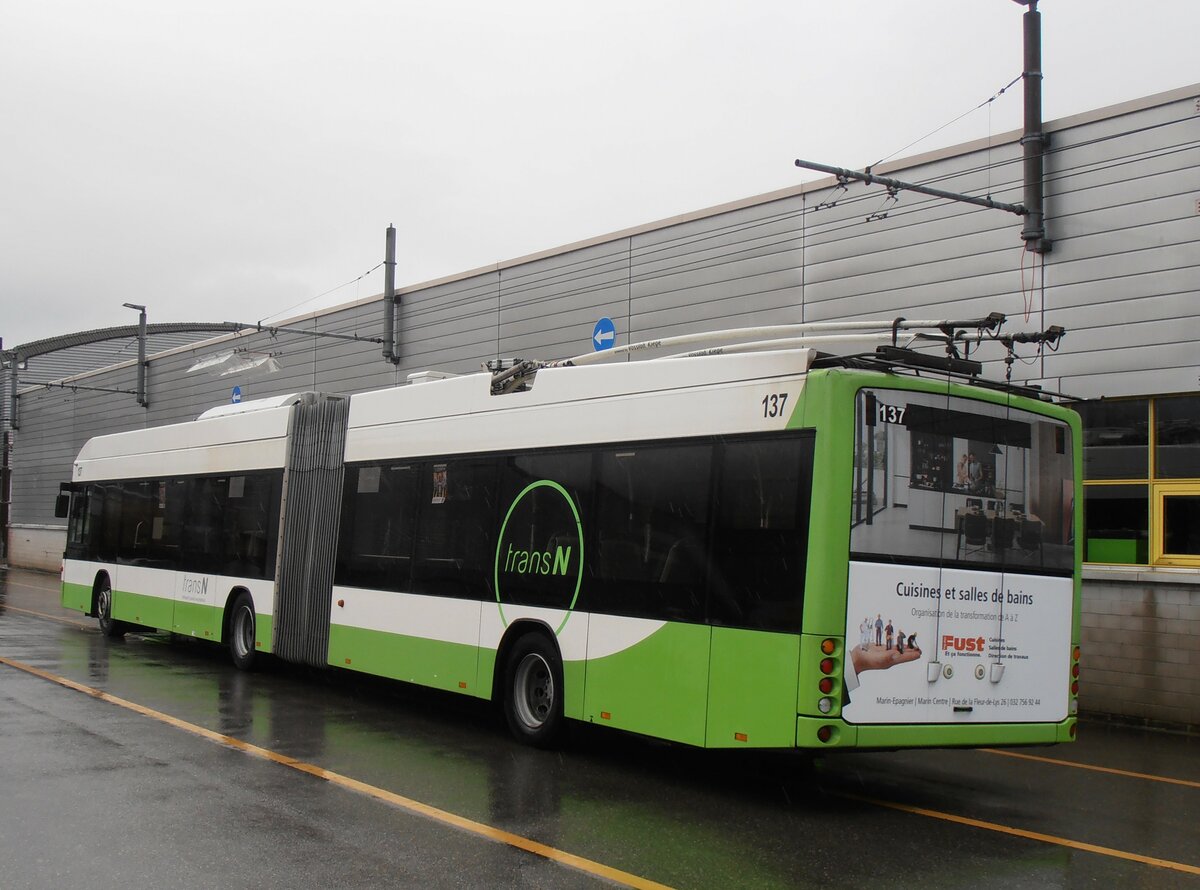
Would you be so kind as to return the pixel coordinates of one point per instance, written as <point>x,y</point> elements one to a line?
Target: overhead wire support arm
<point>871,178</point>
<point>278,329</point>
<point>60,384</point>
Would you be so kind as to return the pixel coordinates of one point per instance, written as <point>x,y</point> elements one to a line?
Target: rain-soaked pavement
<point>93,794</point>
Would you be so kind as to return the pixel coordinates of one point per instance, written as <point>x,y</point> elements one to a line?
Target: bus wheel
<point>109,626</point>
<point>533,705</point>
<point>241,633</point>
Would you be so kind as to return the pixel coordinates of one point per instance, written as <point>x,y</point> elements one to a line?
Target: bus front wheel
<point>109,626</point>
<point>533,691</point>
<point>241,633</point>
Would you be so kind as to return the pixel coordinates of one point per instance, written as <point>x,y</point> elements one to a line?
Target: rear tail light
<point>825,733</point>
<point>1073,704</point>
<point>828,646</point>
<point>826,665</point>
<point>826,685</point>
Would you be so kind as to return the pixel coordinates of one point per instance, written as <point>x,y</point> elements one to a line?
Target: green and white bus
<point>753,546</point>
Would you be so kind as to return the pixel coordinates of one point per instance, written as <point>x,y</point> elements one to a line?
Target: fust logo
<point>962,644</point>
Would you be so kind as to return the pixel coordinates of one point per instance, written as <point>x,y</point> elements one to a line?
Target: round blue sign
<point>604,334</point>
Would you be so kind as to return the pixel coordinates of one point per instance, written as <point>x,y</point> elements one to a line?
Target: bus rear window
<point>948,480</point>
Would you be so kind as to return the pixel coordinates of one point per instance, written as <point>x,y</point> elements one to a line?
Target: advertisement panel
<point>955,645</point>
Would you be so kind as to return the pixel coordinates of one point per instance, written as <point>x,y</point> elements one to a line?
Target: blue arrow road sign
<point>604,334</point>
<point>237,395</point>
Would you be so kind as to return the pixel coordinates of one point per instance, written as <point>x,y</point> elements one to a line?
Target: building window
<point>1142,481</point>
<point>1177,438</point>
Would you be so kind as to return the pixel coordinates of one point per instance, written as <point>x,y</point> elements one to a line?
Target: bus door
<point>147,543</point>
<point>756,588</point>
<point>203,514</point>
<point>648,642</point>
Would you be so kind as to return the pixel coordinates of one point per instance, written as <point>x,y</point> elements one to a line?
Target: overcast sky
<point>227,161</point>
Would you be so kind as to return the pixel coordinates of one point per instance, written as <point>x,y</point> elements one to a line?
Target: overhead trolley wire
<point>322,294</point>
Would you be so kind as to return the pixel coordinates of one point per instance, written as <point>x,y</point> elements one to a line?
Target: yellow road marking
<point>1030,835</point>
<point>406,803</point>
<point>58,618</point>
<point>1099,769</point>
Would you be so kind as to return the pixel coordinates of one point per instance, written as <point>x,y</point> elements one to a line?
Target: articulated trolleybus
<point>754,544</point>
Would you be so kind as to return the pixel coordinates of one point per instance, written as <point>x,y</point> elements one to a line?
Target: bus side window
<point>247,519</point>
<point>456,525</point>
<point>761,533</point>
<point>204,537</point>
<point>538,563</point>
<point>106,506</point>
<point>652,517</point>
<point>77,522</point>
<point>376,538</point>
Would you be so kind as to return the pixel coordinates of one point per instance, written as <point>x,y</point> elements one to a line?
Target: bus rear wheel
<point>109,626</point>
<point>533,691</point>
<point>241,633</point>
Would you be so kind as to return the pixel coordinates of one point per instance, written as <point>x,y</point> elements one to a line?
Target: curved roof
<point>70,354</point>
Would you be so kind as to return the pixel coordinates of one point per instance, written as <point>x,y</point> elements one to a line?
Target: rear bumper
<point>847,735</point>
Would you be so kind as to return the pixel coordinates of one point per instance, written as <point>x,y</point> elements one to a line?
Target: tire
<point>109,626</point>
<point>533,692</point>
<point>241,633</point>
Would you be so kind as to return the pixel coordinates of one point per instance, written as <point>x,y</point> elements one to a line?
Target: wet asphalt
<point>93,794</point>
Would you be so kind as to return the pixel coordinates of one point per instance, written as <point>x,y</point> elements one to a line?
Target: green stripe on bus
<point>149,611</point>
<point>188,619</point>
<point>77,596</point>
<point>752,689</point>
<point>658,687</point>
<point>434,663</point>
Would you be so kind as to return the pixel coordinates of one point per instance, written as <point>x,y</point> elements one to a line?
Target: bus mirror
<point>62,505</point>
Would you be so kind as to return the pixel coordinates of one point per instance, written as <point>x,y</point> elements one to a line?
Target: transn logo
<point>962,644</point>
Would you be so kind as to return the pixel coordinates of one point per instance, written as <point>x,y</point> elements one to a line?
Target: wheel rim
<point>534,691</point>
<point>243,632</point>
<point>104,605</point>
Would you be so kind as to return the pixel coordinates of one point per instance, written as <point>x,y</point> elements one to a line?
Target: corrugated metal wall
<point>1123,277</point>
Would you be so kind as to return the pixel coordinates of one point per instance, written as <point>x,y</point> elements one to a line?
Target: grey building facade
<point>1123,213</point>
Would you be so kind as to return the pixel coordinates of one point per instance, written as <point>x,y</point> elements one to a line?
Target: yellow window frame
<point>1159,492</point>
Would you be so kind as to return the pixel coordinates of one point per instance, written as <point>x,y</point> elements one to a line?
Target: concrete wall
<point>1141,646</point>
<point>37,547</point>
